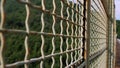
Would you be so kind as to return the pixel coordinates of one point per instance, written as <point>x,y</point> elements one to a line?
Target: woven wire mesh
<point>98,33</point>
<point>55,42</point>
<point>99,62</point>
<point>52,34</point>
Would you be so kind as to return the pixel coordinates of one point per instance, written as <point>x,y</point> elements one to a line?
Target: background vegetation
<point>15,19</point>
<point>118,28</point>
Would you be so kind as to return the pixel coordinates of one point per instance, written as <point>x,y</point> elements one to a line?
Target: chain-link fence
<point>57,34</point>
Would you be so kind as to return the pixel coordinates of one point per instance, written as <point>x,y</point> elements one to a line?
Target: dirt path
<point>118,54</point>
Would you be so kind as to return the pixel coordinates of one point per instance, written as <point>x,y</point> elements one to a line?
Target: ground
<point>118,54</point>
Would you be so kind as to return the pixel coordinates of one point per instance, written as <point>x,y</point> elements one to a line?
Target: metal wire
<point>72,24</point>
<point>98,30</point>
<point>27,30</point>
<point>2,38</point>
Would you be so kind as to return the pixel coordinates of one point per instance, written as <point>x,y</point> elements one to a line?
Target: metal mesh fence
<point>55,34</point>
<point>98,32</point>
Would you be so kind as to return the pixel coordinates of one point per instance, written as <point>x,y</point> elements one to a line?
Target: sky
<point>117,6</point>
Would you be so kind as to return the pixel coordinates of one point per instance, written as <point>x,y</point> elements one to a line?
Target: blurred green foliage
<point>15,19</point>
<point>118,28</point>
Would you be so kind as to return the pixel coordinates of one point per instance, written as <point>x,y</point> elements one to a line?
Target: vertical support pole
<point>109,51</point>
<point>84,30</point>
<point>107,42</point>
<point>88,31</point>
<point>114,34</point>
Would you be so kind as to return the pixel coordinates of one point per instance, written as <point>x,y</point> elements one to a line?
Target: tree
<point>118,28</point>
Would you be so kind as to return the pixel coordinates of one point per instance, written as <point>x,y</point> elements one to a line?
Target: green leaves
<point>118,28</point>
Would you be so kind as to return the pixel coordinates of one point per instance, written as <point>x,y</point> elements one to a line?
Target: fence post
<point>114,35</point>
<point>108,43</point>
<point>110,38</point>
<point>88,3</point>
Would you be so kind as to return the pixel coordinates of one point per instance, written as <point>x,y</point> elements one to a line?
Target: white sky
<point>117,6</point>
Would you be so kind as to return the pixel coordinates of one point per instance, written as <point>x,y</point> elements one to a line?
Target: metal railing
<point>58,33</point>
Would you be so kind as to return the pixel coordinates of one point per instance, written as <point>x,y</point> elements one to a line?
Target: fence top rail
<point>105,5</point>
